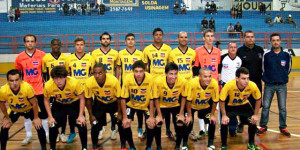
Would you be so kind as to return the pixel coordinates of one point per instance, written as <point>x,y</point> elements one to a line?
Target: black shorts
<point>131,111</point>
<point>244,111</point>
<point>61,111</point>
<point>42,113</point>
<point>14,116</point>
<point>100,109</point>
<point>203,114</point>
<point>173,110</point>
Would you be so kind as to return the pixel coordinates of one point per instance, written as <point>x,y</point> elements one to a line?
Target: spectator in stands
<point>290,20</point>
<point>230,28</point>
<point>102,9</point>
<point>213,7</point>
<point>66,9</point>
<point>233,11</point>
<point>278,19</point>
<point>239,12</point>
<point>83,8</point>
<point>183,7</point>
<point>95,7</point>
<point>17,14</point>
<point>204,24</point>
<point>238,28</point>
<point>207,9</point>
<point>212,24</point>
<point>11,15</point>
<point>269,20</point>
<point>262,8</point>
<point>176,8</point>
<point>218,45</point>
<point>73,8</point>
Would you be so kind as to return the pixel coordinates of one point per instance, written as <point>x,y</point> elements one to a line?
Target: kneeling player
<point>69,100</point>
<point>203,96</point>
<point>238,91</point>
<point>106,90</point>
<point>137,88</point>
<point>167,91</point>
<point>22,102</point>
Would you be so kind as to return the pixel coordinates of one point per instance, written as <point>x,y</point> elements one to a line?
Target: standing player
<point>238,92</point>
<point>203,96</point>
<point>55,58</point>
<point>230,62</point>
<point>137,88</point>
<point>251,55</point>
<point>69,100</point>
<point>106,90</point>
<point>22,102</point>
<point>126,59</point>
<point>79,66</point>
<point>29,62</point>
<point>184,57</point>
<point>207,56</point>
<point>156,55</point>
<point>167,92</point>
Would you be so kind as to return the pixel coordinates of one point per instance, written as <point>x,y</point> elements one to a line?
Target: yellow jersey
<point>200,97</point>
<point>79,68</point>
<point>169,96</point>
<point>157,59</point>
<point>238,97</point>
<point>68,94</point>
<point>139,95</point>
<point>49,61</point>
<point>18,102</point>
<point>108,93</point>
<point>126,60</point>
<point>108,59</point>
<point>184,61</point>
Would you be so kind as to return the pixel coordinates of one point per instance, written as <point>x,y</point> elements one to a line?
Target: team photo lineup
<point>155,87</point>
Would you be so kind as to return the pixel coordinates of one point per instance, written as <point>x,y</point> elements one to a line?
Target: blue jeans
<point>281,92</point>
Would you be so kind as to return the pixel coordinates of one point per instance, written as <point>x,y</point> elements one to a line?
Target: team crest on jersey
<point>174,93</point>
<point>83,64</point>
<point>225,65</point>
<point>283,62</point>
<point>207,94</point>
<point>245,97</point>
<point>134,59</point>
<point>213,60</point>
<point>61,63</point>
<point>68,94</point>
<point>107,92</point>
<point>162,54</point>
<point>109,59</point>
<point>188,59</point>
<point>21,99</point>
<point>35,63</point>
<point>143,91</point>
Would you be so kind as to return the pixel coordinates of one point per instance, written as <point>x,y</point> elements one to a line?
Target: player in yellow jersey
<point>126,59</point>
<point>106,55</point>
<point>102,92</point>
<point>236,93</point>
<point>21,100</point>
<point>183,56</point>
<point>203,96</point>
<point>69,100</point>
<point>156,55</point>
<point>137,88</point>
<point>50,60</point>
<point>169,94</point>
<point>79,66</point>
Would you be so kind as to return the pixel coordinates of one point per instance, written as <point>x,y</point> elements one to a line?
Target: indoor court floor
<point>272,140</point>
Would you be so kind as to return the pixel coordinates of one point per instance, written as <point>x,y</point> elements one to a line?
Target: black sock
<point>150,135</point>
<point>122,134</point>
<point>4,137</point>
<point>158,136</point>
<point>211,134</point>
<point>251,132</point>
<point>128,134</point>
<point>53,132</point>
<point>42,138</point>
<point>72,125</point>
<point>83,135</point>
<point>95,133</point>
<point>224,133</point>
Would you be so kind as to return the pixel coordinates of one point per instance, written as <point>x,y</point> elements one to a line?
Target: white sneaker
<point>113,134</point>
<point>193,136</point>
<point>184,148</point>
<point>212,147</point>
<point>63,138</point>
<point>47,139</point>
<point>26,141</point>
<point>57,139</point>
<point>100,137</point>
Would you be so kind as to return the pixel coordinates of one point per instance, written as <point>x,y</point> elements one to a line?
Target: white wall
<point>4,5</point>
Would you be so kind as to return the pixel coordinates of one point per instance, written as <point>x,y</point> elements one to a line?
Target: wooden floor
<point>272,140</point>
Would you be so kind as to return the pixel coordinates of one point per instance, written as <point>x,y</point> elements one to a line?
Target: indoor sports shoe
<point>123,148</point>
<point>223,148</point>
<point>253,147</point>
<point>113,134</point>
<point>148,148</point>
<point>211,147</point>
<point>63,138</point>
<point>100,137</point>
<point>184,148</point>
<point>140,132</point>
<point>200,135</point>
<point>240,128</point>
<point>71,137</point>
<point>261,131</point>
<point>193,136</point>
<point>285,132</point>
<point>26,141</point>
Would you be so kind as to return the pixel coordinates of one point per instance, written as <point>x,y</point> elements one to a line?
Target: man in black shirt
<point>213,7</point>
<point>251,56</point>
<point>204,24</point>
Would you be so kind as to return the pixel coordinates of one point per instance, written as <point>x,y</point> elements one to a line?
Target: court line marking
<point>275,131</point>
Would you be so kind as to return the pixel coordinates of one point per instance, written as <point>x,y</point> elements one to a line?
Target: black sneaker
<point>261,131</point>
<point>240,128</point>
<point>170,134</point>
<point>285,132</point>
<point>200,135</point>
<point>223,148</point>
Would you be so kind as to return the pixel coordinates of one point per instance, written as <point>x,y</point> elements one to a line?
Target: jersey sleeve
<point>67,64</point>
<point>256,93</point>
<point>18,64</point>
<point>224,92</point>
<point>87,91</point>
<point>79,89</point>
<point>155,89</point>
<point>119,62</point>
<point>125,90</point>
<point>46,91</point>
<point>117,88</point>
<point>190,91</point>
<point>197,61</point>
<point>215,95</point>
<point>44,65</point>
<point>30,92</point>
<point>184,90</point>
<point>145,54</point>
<point>2,95</point>
<point>171,57</point>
